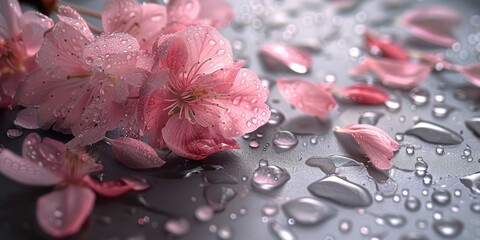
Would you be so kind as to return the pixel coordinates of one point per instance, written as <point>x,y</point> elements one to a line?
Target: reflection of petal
<point>387,49</point>
<point>306,96</point>
<point>365,93</point>
<point>376,143</point>
<point>294,59</point>
<point>62,213</point>
<point>434,24</point>
<point>472,72</point>
<point>134,153</point>
<point>395,73</point>
<point>112,188</point>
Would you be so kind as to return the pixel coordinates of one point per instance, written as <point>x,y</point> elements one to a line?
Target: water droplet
<point>225,233</point>
<point>448,227</point>
<point>414,236</point>
<point>341,191</point>
<point>270,209</point>
<point>218,196</point>
<point>439,150</point>
<point>276,117</point>
<point>393,104</point>
<point>441,110</point>
<point>269,177</point>
<point>89,60</point>
<point>14,133</point>
<point>412,204</point>
<point>281,232</point>
<point>345,226</point>
<point>219,177</point>
<point>420,168</point>
<point>370,118</point>
<point>410,150</point>
<point>433,133</point>
<point>285,139</point>
<point>427,179</point>
<point>419,96</point>
<point>308,211</point>
<point>177,227</point>
<point>472,182</point>
<point>254,143</point>
<point>441,197</point>
<point>395,221</point>
<point>475,207</point>
<point>474,125</point>
<point>204,213</point>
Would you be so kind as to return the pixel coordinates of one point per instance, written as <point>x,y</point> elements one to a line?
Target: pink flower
<point>365,94</point>
<point>376,143</point>
<point>394,73</point>
<point>307,96</point>
<point>20,37</point>
<point>49,162</point>
<point>198,98</point>
<point>147,21</point>
<point>434,24</point>
<point>386,48</point>
<point>84,83</point>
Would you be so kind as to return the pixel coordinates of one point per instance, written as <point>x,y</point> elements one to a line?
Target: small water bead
<point>246,136</point>
<point>242,211</point>
<point>399,137</point>
<point>437,215</point>
<point>254,143</point>
<point>427,179</point>
<point>395,221</point>
<point>441,110</point>
<point>410,150</point>
<point>269,177</point>
<point>354,52</point>
<point>429,205</point>
<point>370,118</point>
<point>177,227</point>
<point>14,133</point>
<point>364,230</point>
<point>448,227</point>
<point>270,209</point>
<point>378,197</point>
<point>330,78</point>
<point>420,167</point>
<point>439,98</point>
<point>457,193</point>
<point>421,224</point>
<point>455,209</point>
<point>281,232</point>
<point>425,192</point>
<point>276,117</point>
<point>225,233</point>
<point>393,104</point>
<point>204,213</point>
<point>233,216</point>
<point>475,207</point>
<point>441,197</point>
<point>345,226</point>
<point>285,139</point>
<point>212,228</point>
<point>402,119</point>
<point>439,150</point>
<point>412,204</point>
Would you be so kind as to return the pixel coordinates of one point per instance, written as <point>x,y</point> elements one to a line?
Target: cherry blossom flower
<point>375,142</point>
<point>197,97</point>
<point>307,96</point>
<point>394,73</point>
<point>275,55</point>
<point>365,94</point>
<point>83,83</point>
<point>20,37</point>
<point>147,21</point>
<point>49,162</point>
<point>385,48</point>
<point>434,24</point>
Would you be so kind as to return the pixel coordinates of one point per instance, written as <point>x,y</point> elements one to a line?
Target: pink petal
<point>219,13</point>
<point>62,213</point>
<point>306,96</point>
<point>472,72</point>
<point>170,52</point>
<point>116,13</point>
<point>34,25</point>
<point>151,114</point>
<point>244,110</point>
<point>194,141</point>
<point>114,53</point>
<point>134,153</point>
<point>398,74</point>
<point>434,24</point>
<point>61,51</point>
<point>27,118</point>
<point>276,55</point>
<point>183,11</point>
<point>137,183</point>
<point>387,49</point>
<point>71,17</point>
<point>376,143</point>
<point>113,188</point>
<point>365,94</point>
<point>10,12</point>
<point>152,24</point>
<point>344,5</point>
<point>26,171</point>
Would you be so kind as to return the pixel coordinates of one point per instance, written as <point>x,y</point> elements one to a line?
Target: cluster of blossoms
<point>163,73</point>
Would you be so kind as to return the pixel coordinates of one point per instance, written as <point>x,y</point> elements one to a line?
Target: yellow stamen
<point>79,76</point>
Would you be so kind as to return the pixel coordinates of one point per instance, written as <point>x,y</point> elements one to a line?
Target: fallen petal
<point>472,72</point>
<point>365,94</point>
<point>113,188</point>
<point>274,55</point>
<point>62,213</point>
<point>27,118</point>
<point>386,48</point>
<point>134,153</point>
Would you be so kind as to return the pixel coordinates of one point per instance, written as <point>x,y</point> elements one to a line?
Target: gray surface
<point>182,196</point>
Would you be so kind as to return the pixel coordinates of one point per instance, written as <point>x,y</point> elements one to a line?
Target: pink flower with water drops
<point>434,24</point>
<point>49,162</point>
<point>84,84</point>
<point>20,37</point>
<point>197,97</point>
<point>394,73</point>
<point>375,142</point>
<point>307,96</point>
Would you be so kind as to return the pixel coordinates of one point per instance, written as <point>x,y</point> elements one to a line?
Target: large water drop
<point>433,133</point>
<point>341,192</point>
<point>308,211</point>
